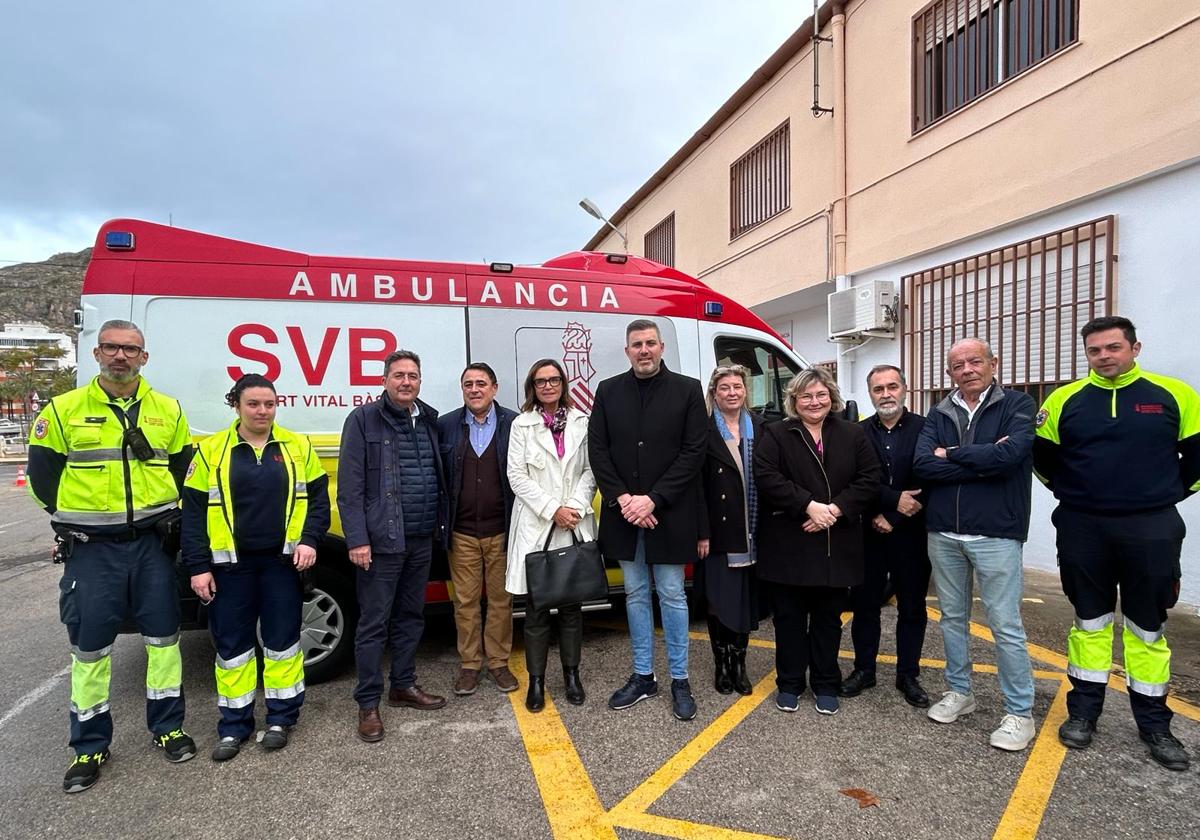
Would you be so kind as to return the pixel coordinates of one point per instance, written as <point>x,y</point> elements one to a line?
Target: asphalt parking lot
<point>484,767</point>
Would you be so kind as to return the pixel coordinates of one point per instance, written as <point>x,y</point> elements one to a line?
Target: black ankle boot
<point>574,688</point>
<point>722,679</point>
<point>535,699</point>
<point>737,666</point>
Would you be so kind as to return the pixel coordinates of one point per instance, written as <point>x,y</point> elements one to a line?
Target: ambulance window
<point>770,372</point>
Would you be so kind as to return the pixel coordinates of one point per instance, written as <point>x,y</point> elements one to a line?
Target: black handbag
<point>568,575</point>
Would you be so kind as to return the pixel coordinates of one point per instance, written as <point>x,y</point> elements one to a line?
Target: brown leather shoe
<point>415,698</point>
<point>370,725</point>
<point>467,682</point>
<point>503,678</point>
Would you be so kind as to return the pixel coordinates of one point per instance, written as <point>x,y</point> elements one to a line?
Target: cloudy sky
<point>436,130</point>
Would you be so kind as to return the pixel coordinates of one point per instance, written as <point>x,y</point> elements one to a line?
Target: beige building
<point>986,167</point>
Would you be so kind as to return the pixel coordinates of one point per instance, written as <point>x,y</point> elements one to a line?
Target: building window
<point>1027,300</point>
<point>964,48</point>
<point>660,242</point>
<point>759,183</point>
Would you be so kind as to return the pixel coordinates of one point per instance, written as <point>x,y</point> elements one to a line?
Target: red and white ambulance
<point>213,308</point>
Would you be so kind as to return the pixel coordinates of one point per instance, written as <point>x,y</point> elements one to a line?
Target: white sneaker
<point>1014,733</point>
<point>951,706</point>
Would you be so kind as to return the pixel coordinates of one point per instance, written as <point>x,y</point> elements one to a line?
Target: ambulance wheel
<point>329,615</point>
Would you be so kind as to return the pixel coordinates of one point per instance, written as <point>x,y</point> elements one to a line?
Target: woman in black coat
<point>728,515</point>
<point>816,474</point>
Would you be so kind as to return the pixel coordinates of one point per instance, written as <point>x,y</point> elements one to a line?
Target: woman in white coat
<point>552,480</point>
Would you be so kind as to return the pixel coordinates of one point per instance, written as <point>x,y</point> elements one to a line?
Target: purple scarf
<point>557,424</point>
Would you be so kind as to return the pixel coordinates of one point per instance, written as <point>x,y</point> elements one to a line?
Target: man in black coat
<point>894,544</point>
<point>646,441</point>
<point>474,452</point>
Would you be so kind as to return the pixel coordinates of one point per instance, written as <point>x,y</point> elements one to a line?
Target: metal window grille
<point>964,48</point>
<point>1027,300</point>
<point>759,182</point>
<point>660,242</point>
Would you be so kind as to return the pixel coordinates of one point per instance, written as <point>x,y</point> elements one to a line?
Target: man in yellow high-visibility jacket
<point>107,462</point>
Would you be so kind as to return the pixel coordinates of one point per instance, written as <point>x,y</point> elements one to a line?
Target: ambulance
<point>319,327</point>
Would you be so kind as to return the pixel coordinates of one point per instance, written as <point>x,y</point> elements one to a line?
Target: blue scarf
<point>746,427</point>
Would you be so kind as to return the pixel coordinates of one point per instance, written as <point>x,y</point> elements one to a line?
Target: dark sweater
<point>480,509</point>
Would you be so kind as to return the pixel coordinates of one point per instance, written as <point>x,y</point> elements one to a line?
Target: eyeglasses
<point>548,382</point>
<point>130,350</point>
<point>726,370</point>
<point>814,398</point>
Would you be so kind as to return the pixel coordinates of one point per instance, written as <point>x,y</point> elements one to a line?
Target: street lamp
<point>592,210</point>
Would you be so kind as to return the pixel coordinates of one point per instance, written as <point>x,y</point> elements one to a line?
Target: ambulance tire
<point>329,617</point>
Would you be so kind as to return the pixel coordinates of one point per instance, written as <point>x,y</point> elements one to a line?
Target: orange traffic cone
<point>20,481</point>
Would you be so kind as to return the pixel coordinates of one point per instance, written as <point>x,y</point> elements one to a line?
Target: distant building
<point>34,336</point>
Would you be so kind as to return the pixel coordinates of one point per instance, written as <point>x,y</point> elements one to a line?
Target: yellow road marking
<point>574,810</point>
<point>645,794</point>
<point>1029,799</point>
<point>572,805</point>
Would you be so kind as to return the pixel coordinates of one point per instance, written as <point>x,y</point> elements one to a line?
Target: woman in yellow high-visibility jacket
<point>255,506</point>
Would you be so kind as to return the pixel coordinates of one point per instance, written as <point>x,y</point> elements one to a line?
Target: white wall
<point>1158,248</point>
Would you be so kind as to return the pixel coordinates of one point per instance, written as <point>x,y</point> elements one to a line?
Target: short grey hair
<point>881,369</point>
<point>118,324</point>
<point>642,324</point>
<point>987,348</point>
<point>800,383</point>
<point>399,356</point>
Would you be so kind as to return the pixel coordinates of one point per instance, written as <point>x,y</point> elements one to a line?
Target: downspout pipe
<point>838,22</point>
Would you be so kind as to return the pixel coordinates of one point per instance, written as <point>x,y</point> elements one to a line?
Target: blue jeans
<point>672,600</point>
<point>997,565</point>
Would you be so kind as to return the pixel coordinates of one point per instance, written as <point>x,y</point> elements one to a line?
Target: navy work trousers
<point>391,613</point>
<point>261,589</point>
<point>1137,555</point>
<point>102,584</point>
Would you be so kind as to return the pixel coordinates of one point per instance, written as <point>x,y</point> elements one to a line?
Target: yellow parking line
<point>645,794</point>
<point>571,802</point>
<point>1029,799</point>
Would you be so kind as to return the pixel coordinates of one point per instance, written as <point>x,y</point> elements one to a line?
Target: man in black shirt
<point>894,547</point>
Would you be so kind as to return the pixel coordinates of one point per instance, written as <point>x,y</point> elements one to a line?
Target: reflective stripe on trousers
<point>1147,660</point>
<point>164,667</point>
<point>91,673</point>
<point>237,680</point>
<point>1089,648</point>
<point>283,672</point>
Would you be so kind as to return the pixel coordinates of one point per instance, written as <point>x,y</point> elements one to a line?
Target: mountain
<point>46,292</point>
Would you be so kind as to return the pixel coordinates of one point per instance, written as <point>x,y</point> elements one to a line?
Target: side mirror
<point>851,411</point>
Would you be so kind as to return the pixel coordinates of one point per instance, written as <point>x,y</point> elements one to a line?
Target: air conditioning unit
<point>863,310</point>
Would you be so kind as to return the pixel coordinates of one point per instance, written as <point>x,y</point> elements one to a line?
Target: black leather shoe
<point>854,684</point>
<point>574,688</point>
<point>1166,750</point>
<point>914,695</point>
<point>722,679</point>
<point>1077,733</point>
<point>737,670</point>
<point>535,698</point>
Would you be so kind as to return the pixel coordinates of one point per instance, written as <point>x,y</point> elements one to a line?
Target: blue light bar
<point>713,308</point>
<point>118,240</point>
